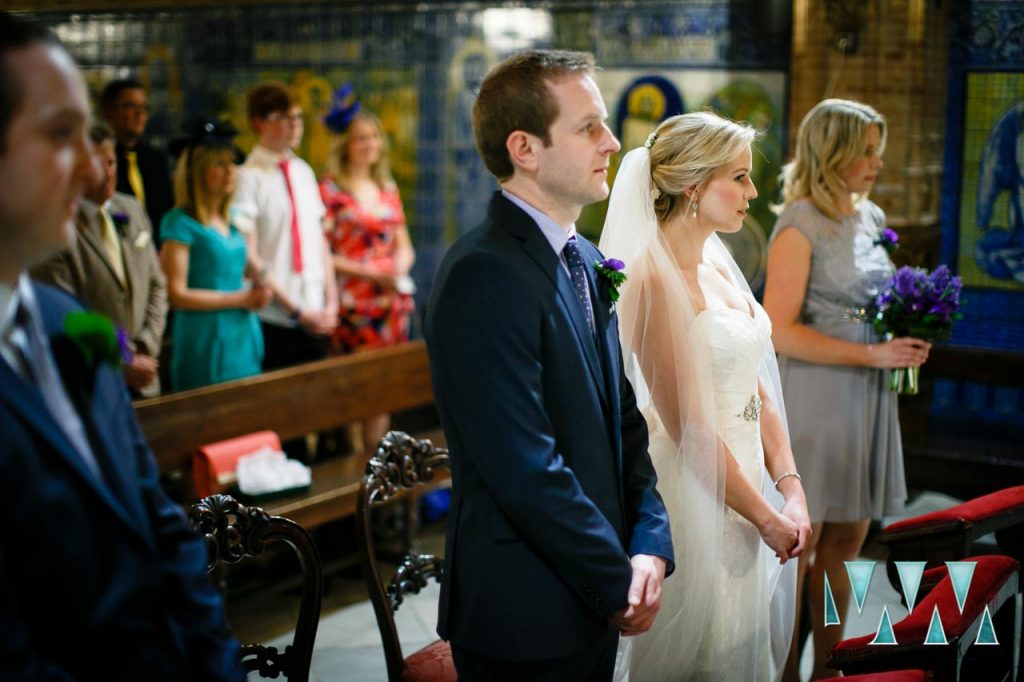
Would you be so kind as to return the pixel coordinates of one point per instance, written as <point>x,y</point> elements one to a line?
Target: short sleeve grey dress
<point>843,420</point>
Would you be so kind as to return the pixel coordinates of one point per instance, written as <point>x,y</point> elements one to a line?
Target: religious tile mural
<point>983,194</point>
<point>982,198</point>
<point>991,248</point>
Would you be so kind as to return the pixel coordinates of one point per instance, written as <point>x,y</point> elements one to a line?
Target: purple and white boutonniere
<point>612,275</point>
<point>888,240</point>
<point>120,220</point>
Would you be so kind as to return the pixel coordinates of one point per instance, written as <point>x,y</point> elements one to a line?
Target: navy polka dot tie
<point>579,279</point>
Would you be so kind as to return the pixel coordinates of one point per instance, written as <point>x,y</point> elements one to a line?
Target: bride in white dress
<point>698,351</point>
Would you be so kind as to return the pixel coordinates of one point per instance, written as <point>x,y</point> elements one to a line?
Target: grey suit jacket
<point>139,304</point>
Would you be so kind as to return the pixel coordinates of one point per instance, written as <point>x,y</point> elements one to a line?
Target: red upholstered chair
<point>995,584</point>
<point>948,535</point>
<point>400,465</point>
<point>891,676</point>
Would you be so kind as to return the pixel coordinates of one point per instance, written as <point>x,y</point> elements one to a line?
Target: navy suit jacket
<point>97,580</point>
<point>552,485</point>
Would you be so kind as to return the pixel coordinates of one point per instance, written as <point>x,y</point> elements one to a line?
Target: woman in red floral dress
<point>372,252</point>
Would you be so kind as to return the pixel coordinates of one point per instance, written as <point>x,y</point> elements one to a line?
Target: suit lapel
<point>132,265</point>
<point>540,252</point>
<point>91,235</point>
<point>25,399</point>
<point>608,343</point>
<point>79,383</point>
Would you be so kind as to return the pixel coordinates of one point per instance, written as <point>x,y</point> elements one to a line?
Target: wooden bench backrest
<point>312,397</point>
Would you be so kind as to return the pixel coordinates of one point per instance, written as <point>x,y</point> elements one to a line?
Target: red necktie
<point>296,236</point>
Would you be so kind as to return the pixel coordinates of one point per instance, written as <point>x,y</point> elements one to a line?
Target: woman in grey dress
<point>825,267</point>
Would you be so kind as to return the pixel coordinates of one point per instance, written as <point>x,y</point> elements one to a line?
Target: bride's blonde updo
<point>686,151</point>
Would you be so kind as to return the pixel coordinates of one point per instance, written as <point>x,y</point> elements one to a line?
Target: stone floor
<point>348,643</point>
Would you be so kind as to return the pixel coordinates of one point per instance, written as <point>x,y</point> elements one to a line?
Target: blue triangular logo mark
<point>860,573</point>
<point>936,635</point>
<point>910,573</point>
<point>961,573</point>
<point>831,613</point>
<point>987,632</point>
<point>885,635</point>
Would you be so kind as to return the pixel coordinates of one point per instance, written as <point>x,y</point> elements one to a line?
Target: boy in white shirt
<point>278,206</point>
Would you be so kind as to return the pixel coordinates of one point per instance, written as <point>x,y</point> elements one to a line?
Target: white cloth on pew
<point>268,470</point>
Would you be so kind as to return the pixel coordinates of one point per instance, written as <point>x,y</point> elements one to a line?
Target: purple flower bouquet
<point>916,303</point>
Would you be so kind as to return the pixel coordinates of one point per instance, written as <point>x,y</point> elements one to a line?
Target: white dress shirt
<point>262,204</point>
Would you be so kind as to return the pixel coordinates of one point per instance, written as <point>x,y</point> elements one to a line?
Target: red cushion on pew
<point>973,511</point>
<point>989,576</point>
<point>891,676</point>
<point>432,662</point>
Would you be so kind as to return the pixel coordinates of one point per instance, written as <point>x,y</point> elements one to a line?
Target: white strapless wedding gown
<point>736,642</point>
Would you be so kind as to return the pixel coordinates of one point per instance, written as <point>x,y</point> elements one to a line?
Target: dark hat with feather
<point>206,132</point>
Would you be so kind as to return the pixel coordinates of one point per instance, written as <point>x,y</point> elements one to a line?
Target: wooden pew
<point>314,397</point>
<point>962,458</point>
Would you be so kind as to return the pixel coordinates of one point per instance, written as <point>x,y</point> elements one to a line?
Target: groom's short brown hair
<point>515,96</point>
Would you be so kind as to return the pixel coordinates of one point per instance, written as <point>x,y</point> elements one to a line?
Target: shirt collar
<point>556,235</point>
<point>265,157</point>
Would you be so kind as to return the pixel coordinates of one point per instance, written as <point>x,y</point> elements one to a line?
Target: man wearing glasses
<point>142,170</point>
<point>278,206</point>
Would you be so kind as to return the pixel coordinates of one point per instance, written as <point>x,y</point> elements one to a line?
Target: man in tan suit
<point>113,267</point>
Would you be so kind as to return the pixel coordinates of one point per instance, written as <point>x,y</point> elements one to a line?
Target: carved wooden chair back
<point>400,465</point>
<point>233,532</point>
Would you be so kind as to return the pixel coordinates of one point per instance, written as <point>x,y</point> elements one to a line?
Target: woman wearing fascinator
<point>216,335</point>
<point>698,351</point>
<point>366,229</point>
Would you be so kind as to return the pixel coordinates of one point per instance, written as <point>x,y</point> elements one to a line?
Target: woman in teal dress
<point>216,335</point>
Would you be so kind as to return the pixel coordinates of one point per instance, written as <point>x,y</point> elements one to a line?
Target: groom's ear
<point>522,150</point>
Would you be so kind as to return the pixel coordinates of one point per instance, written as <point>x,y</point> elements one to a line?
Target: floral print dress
<point>368,316</point>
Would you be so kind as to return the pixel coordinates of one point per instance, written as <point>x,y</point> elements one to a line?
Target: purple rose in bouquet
<point>919,304</point>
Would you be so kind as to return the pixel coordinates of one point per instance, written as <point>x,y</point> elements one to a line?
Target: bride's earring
<point>694,204</point>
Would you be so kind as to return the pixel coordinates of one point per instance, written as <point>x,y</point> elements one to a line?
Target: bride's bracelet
<point>786,475</point>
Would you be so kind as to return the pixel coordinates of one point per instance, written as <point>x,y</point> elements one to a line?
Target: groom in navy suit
<point>557,539</point>
<point>100,576</point>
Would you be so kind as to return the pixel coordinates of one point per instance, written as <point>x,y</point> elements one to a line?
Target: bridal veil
<point>669,367</point>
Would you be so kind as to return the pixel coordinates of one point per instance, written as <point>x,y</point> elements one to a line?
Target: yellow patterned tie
<point>112,245</point>
<point>135,177</point>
